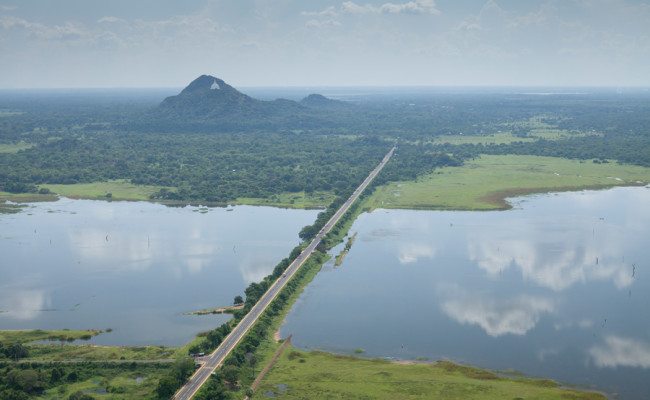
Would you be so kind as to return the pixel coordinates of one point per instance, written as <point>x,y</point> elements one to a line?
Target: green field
<point>14,147</point>
<point>20,200</point>
<point>56,352</point>
<point>9,337</point>
<point>124,190</point>
<point>110,381</point>
<point>59,349</point>
<point>484,183</point>
<point>120,189</point>
<point>290,200</point>
<point>140,383</point>
<point>319,375</point>
<point>495,138</point>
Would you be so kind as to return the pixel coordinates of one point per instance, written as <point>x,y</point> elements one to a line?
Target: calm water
<point>557,287</point>
<point>135,267</point>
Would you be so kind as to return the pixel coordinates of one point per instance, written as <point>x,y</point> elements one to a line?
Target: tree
<point>17,351</point>
<point>166,387</point>
<point>308,232</point>
<point>238,300</point>
<point>230,374</point>
<point>183,368</point>
<point>72,376</point>
<point>26,380</point>
<point>213,390</point>
<point>252,360</point>
<point>57,374</point>
<point>80,396</point>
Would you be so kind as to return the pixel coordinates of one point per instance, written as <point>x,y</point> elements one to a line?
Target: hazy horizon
<point>324,43</point>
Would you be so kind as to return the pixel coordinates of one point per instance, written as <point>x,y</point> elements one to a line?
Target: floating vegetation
<point>348,246</point>
<point>11,208</point>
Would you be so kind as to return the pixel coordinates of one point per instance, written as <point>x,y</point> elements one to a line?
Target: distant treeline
<point>82,140</point>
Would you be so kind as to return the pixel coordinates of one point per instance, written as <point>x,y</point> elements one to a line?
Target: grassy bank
<point>20,201</point>
<point>120,189</point>
<point>61,348</point>
<point>64,335</point>
<point>57,352</point>
<point>290,200</point>
<point>319,375</point>
<point>484,183</point>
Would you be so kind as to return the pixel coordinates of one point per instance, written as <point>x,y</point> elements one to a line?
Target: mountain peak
<point>205,83</point>
<point>208,98</point>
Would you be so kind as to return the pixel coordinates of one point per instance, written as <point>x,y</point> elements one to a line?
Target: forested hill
<point>210,102</point>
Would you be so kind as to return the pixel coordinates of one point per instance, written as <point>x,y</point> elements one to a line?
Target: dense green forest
<point>85,136</point>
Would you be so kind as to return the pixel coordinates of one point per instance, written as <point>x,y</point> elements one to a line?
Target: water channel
<point>135,267</point>
<point>557,287</point>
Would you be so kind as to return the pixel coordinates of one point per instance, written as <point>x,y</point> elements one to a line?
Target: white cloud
<point>313,23</point>
<point>350,7</point>
<point>621,352</point>
<point>532,43</point>
<point>329,12</point>
<point>110,20</point>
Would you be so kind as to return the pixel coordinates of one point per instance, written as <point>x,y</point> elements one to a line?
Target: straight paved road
<point>216,358</point>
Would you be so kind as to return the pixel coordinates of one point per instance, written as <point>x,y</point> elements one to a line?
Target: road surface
<point>215,359</point>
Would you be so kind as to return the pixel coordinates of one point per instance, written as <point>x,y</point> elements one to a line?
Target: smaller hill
<point>320,101</point>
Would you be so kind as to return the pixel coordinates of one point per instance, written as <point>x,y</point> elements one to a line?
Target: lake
<point>557,287</point>
<point>135,267</point>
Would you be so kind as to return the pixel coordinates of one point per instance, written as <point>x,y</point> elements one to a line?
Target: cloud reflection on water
<point>24,304</point>
<point>548,261</point>
<point>496,317</point>
<point>105,251</point>
<point>412,252</point>
<point>621,352</point>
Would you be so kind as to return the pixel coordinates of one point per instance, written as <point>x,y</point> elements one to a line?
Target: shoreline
<point>219,310</point>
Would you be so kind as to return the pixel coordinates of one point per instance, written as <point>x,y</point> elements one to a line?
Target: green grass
<point>9,113</point>
<point>495,138</point>
<point>113,384</point>
<point>14,147</point>
<point>484,183</point>
<point>26,197</point>
<point>319,375</point>
<point>120,189</point>
<point>9,337</point>
<point>57,352</point>
<point>290,200</point>
<point>538,129</point>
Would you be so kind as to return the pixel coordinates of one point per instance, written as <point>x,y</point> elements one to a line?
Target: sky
<point>168,43</point>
